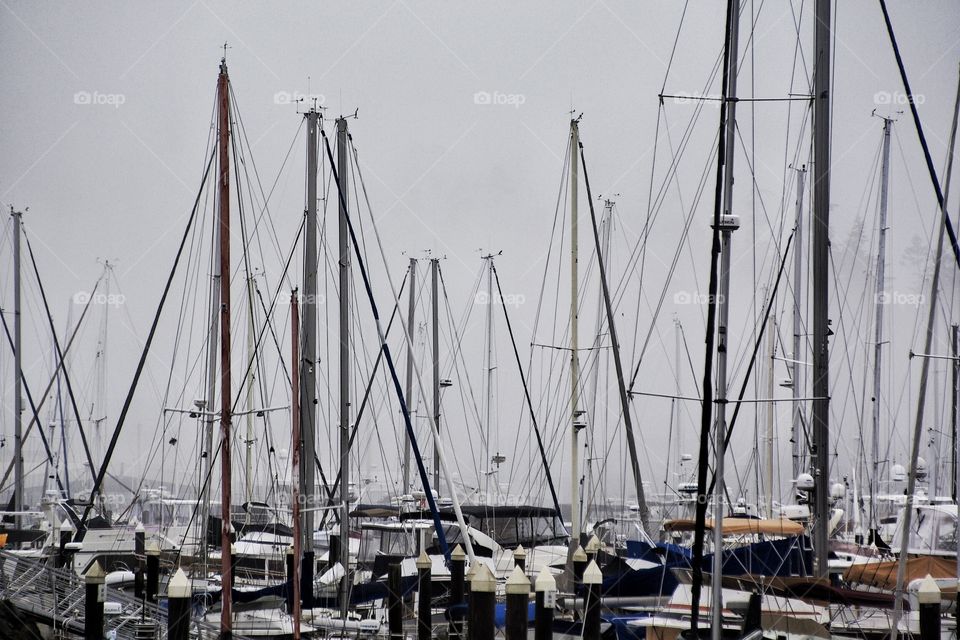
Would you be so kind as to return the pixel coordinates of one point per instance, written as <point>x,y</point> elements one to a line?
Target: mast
<point>796,430</point>
<point>408,391</point>
<point>728,224</point>
<point>768,464</point>
<point>574,346</point>
<point>821,282</point>
<point>18,478</point>
<point>308,387</point>
<point>226,394</point>
<point>434,284</point>
<point>907,514</point>
<point>251,381</point>
<point>207,414</point>
<point>675,402</point>
<point>295,438</point>
<point>617,363</point>
<point>344,246</point>
<point>878,332</point>
<point>489,399</point>
<point>954,477</point>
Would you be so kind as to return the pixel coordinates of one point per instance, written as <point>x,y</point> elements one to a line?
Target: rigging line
<point>441,535</point>
<point>671,272</point>
<point>756,348</point>
<point>266,198</point>
<point>56,344</point>
<point>356,422</point>
<point>526,393</point>
<point>931,169</point>
<point>53,379</point>
<point>143,357</point>
<point>33,408</point>
<point>458,360</point>
<point>561,198</point>
<point>269,313</point>
<point>673,49</point>
<point>611,328</point>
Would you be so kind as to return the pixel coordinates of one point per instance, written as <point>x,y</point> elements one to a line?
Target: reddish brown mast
<point>226,394</point>
<point>295,471</point>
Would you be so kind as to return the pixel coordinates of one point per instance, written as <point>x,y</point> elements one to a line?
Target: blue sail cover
<point>791,556</point>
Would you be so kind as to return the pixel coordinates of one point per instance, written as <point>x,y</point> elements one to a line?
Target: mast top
<point>223,60</point>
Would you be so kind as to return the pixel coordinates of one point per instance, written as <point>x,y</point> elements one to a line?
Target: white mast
<point>771,411</point>
<point>488,410</point>
<point>575,412</point>
<point>878,332</point>
<point>796,433</point>
<point>344,245</point>
<point>18,477</point>
<point>408,391</point>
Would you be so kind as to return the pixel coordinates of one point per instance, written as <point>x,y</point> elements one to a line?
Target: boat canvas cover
<point>883,575</point>
<point>742,526</point>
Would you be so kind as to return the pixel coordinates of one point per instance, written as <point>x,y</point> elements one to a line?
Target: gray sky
<point>115,178</point>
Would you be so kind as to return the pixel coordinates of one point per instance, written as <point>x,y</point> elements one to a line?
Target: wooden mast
<point>226,395</point>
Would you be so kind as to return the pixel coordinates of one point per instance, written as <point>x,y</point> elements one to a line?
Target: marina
<point>684,369</point>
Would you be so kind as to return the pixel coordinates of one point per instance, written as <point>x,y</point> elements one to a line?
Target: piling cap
<point>95,574</point>
<point>545,581</point>
<point>593,545</point>
<point>519,553</point>
<point>290,550</point>
<point>139,528</point>
<point>580,555</point>
<point>423,561</point>
<point>518,582</point>
<point>483,581</point>
<point>592,574</point>
<point>471,570</point>
<point>457,555</point>
<point>928,592</point>
<point>179,585</point>
<point>152,548</point>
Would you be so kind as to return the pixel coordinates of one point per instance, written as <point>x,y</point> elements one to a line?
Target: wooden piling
<point>580,561</point>
<point>928,596</point>
<point>153,570</point>
<point>395,601</point>
<point>458,560</point>
<point>546,593</point>
<point>482,603</point>
<point>520,558</point>
<point>178,606</point>
<point>93,603</point>
<point>592,581</point>
<point>424,597</point>
<point>518,598</point>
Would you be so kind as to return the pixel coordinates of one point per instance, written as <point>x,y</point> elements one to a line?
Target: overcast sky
<point>463,118</point>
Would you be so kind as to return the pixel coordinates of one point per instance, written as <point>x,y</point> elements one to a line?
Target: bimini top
<point>742,526</point>
<point>883,575</point>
